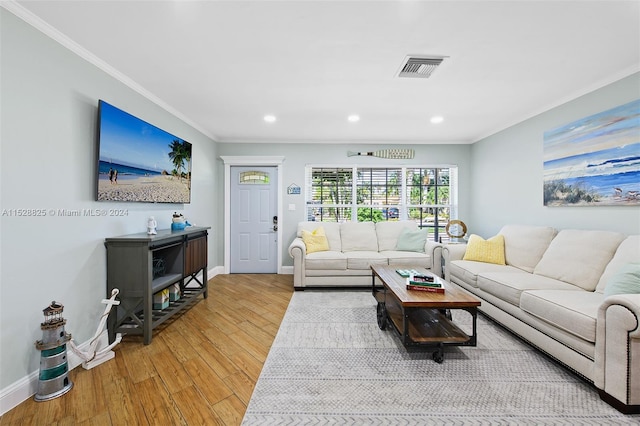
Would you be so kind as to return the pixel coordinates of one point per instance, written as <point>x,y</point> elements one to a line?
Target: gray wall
<point>507,172</point>
<point>297,156</point>
<point>49,99</point>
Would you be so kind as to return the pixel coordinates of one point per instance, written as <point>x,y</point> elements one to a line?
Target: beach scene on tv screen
<point>140,162</point>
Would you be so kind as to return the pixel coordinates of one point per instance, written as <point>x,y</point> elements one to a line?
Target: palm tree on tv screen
<point>180,152</point>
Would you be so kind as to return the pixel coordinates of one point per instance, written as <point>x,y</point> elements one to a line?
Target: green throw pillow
<point>412,240</point>
<point>625,281</point>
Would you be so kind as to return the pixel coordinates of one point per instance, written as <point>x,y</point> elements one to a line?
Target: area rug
<point>330,364</point>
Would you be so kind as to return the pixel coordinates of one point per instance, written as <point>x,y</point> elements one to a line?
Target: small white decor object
<point>151,226</point>
<point>93,357</point>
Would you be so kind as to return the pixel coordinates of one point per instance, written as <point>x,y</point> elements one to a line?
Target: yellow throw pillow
<point>488,251</point>
<point>316,240</point>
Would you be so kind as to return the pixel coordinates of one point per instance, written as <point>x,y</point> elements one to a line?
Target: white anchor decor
<point>93,357</point>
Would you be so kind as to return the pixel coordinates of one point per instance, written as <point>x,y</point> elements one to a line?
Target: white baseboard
<point>19,391</point>
<point>286,270</point>
<point>25,388</point>
<point>215,271</point>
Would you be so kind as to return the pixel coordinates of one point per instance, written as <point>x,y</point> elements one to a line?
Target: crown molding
<point>47,29</point>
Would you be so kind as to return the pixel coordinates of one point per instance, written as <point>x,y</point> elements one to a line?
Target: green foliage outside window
<point>366,214</point>
<point>380,195</point>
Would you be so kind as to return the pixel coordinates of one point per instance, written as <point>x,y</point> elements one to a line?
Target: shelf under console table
<point>141,265</point>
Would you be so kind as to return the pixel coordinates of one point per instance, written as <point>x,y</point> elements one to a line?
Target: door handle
<point>275,227</point>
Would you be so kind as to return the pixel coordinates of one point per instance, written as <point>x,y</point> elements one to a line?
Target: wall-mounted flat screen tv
<point>140,162</point>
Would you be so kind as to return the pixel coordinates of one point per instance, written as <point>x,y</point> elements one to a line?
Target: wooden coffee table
<point>422,318</point>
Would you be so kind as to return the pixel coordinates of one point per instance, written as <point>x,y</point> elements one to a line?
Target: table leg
<point>382,316</point>
<point>438,355</point>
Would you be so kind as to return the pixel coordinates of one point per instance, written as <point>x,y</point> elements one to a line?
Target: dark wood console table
<point>140,265</point>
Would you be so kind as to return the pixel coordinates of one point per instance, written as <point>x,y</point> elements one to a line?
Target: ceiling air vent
<point>420,66</point>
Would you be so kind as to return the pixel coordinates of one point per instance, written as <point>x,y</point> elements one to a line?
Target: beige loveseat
<point>353,248</point>
<point>551,292</point>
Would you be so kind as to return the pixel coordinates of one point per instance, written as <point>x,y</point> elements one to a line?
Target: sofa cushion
<point>326,260</point>
<point>412,240</point>
<point>331,230</point>
<point>628,251</point>
<point>357,236</point>
<point>407,258</point>
<point>525,245</point>
<point>364,259</point>
<point>468,270</point>
<point>572,311</point>
<point>626,281</point>
<point>508,286</point>
<point>315,240</point>
<point>489,251</point>
<point>388,232</point>
<point>579,257</point>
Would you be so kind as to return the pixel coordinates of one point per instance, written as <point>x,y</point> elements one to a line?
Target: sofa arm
<point>298,251</point>
<point>434,250</point>
<point>617,357</point>
<point>451,252</point>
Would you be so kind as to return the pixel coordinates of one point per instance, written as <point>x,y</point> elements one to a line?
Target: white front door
<point>254,220</point>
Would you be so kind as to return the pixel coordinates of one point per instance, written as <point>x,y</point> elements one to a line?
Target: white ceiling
<point>222,65</point>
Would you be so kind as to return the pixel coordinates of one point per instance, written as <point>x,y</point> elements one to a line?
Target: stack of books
<point>425,283</point>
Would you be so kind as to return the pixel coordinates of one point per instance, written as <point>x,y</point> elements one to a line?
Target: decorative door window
<point>254,177</point>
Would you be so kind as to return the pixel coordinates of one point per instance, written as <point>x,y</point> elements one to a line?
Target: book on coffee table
<point>423,279</point>
<point>430,289</point>
<point>424,284</point>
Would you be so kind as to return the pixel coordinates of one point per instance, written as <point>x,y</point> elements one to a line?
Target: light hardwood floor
<point>200,369</point>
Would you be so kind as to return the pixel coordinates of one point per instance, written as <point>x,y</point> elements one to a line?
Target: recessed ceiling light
<point>270,118</point>
<point>437,119</point>
<point>353,118</point>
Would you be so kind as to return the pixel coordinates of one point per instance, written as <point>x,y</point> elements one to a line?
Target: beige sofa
<point>551,293</point>
<point>353,248</point>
